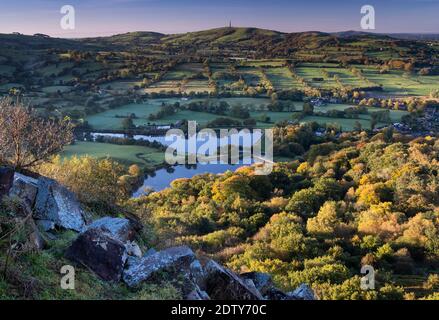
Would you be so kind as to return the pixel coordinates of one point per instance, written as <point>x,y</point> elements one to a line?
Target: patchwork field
<point>112,119</point>
<point>281,79</point>
<point>401,84</point>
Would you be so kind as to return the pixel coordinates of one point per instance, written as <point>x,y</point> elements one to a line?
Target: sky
<point>107,17</point>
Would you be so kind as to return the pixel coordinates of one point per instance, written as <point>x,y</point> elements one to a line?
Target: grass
<point>397,83</point>
<point>6,70</point>
<point>122,85</point>
<point>54,69</point>
<point>281,79</point>
<point>107,120</point>
<point>140,155</point>
<point>53,89</point>
<point>310,71</point>
<point>37,276</point>
<point>8,86</point>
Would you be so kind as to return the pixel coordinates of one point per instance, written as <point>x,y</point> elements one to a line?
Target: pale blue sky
<point>105,17</point>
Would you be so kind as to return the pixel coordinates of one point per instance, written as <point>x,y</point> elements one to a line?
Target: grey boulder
<point>303,292</point>
<point>56,203</point>
<point>118,228</point>
<point>174,260</point>
<point>197,294</point>
<point>222,284</point>
<point>133,249</point>
<point>262,281</point>
<point>100,253</point>
<point>25,188</point>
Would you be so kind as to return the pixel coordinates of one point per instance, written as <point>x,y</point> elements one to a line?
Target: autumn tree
<point>26,139</point>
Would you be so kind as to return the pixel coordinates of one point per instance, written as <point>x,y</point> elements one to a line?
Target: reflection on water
<point>162,178</point>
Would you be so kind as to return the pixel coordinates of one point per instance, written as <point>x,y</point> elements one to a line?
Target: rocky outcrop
<point>51,204</point>
<point>262,281</point>
<point>197,294</point>
<point>107,247</point>
<point>26,189</point>
<point>6,180</point>
<point>57,204</point>
<point>222,284</point>
<point>170,260</point>
<point>303,292</point>
<point>133,249</point>
<point>99,252</point>
<point>118,228</point>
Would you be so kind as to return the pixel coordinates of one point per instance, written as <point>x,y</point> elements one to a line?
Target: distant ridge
<point>243,38</point>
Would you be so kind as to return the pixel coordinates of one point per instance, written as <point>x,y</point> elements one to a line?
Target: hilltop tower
<point>230,24</point>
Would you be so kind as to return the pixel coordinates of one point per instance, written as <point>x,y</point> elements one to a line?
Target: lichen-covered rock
<point>303,292</point>
<point>223,284</point>
<point>150,252</point>
<point>197,294</point>
<point>119,228</point>
<point>173,260</point>
<point>133,249</point>
<point>197,274</point>
<point>276,294</point>
<point>262,281</point>
<point>45,225</point>
<point>55,203</point>
<point>25,188</point>
<point>99,252</point>
<point>6,180</point>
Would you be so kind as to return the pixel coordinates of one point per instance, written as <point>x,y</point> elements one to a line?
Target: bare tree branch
<point>26,140</point>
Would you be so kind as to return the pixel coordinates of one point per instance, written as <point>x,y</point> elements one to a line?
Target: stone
<point>197,274</point>
<point>173,260</point>
<point>133,249</point>
<point>223,284</point>
<point>56,203</point>
<point>118,228</point>
<point>150,252</point>
<point>303,292</point>
<point>197,294</point>
<point>262,281</point>
<point>6,180</point>
<point>45,225</point>
<point>276,294</point>
<point>36,240</point>
<point>100,253</point>
<point>131,261</point>
<point>25,188</point>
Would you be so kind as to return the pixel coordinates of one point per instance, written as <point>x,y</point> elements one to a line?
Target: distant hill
<point>416,36</point>
<point>37,41</point>
<point>130,39</point>
<point>351,46</point>
<point>402,36</point>
<point>219,36</point>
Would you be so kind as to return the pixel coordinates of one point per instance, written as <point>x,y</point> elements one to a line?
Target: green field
<point>398,83</point>
<point>107,120</point>
<point>143,156</point>
<point>281,79</point>
<point>53,89</point>
<point>6,70</point>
